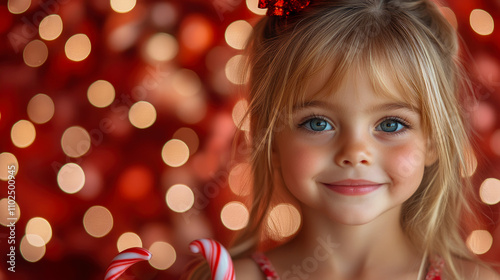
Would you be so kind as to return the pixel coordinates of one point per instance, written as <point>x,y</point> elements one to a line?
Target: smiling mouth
<point>353,187</point>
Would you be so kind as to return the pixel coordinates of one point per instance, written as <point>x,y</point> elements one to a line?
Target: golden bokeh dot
<point>101,93</point>
<point>161,47</point>
<point>8,162</point>
<point>9,211</point>
<point>78,47</point>
<point>450,16</point>
<point>29,252</point>
<point>237,34</point>
<point>128,240</point>
<point>481,22</point>
<point>188,136</point>
<point>234,70</point>
<point>18,6</point>
<point>122,6</point>
<point>71,178</point>
<point>35,53</point>
<point>490,191</point>
<point>50,27</point>
<point>75,141</point>
<point>240,178</point>
<point>284,220</point>
<point>98,221</point>
<point>175,153</point>
<point>239,111</point>
<point>23,134</point>
<point>38,231</point>
<point>479,241</point>
<point>41,108</point>
<point>163,255</point>
<point>234,215</point>
<point>142,114</point>
<point>186,82</point>
<point>179,198</point>
<point>253,6</point>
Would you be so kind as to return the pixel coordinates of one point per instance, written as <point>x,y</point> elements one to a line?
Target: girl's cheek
<point>407,160</point>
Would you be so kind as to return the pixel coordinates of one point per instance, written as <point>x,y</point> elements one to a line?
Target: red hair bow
<point>282,7</point>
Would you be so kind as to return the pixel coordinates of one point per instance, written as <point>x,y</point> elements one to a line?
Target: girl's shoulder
<point>247,269</point>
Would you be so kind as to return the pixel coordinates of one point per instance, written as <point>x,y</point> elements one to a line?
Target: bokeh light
<point>161,47</point>
<point>35,53</point>
<point>234,70</point>
<point>179,198</point>
<point>175,153</point>
<point>196,33</point>
<point>135,182</point>
<point>237,34</point>
<point>30,252</point>
<point>18,6</point>
<point>490,191</point>
<point>38,231</point>
<point>75,141</point>
<point>239,111</point>
<point>481,22</point>
<point>71,178</point>
<point>78,47</point>
<point>188,136</point>
<point>284,220</point>
<point>186,82</point>
<point>101,93</point>
<point>234,215</point>
<point>240,179</point>
<point>122,6</point>
<point>252,5</point>
<point>98,221</point>
<point>23,134</point>
<point>450,16</point>
<point>479,241</point>
<point>128,240</point>
<point>50,27</point>
<point>41,108</point>
<point>164,255</point>
<point>7,160</point>
<point>7,209</point>
<point>142,114</point>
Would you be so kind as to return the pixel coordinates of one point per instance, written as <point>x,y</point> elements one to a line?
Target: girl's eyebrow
<point>377,108</point>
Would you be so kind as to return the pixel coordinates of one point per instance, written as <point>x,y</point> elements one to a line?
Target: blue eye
<point>391,125</point>
<point>317,124</point>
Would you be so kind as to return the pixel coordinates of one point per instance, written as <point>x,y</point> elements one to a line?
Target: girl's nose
<point>353,152</point>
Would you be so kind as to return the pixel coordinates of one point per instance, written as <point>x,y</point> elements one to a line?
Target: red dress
<point>434,272</point>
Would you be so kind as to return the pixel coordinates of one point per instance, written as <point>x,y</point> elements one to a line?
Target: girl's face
<point>352,154</point>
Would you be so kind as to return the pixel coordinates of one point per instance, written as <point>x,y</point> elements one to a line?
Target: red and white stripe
<point>217,256</point>
<point>124,260</point>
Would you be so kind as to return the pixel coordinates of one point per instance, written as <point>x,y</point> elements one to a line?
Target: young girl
<point>356,108</point>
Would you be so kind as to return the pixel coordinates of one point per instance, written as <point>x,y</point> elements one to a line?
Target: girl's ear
<point>431,154</point>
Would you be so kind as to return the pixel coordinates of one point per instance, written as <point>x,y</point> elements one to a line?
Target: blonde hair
<point>405,43</point>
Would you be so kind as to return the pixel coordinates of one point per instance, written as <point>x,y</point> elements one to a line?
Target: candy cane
<point>124,260</point>
<point>217,256</point>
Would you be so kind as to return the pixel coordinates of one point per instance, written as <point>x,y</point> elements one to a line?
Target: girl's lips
<point>353,187</point>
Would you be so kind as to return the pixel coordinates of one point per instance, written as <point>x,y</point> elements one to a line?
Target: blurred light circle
<point>253,6</point>
<point>7,160</point>
<point>483,116</point>
<point>75,141</point>
<point>179,198</point>
<point>481,22</point>
<point>41,108</point>
<point>35,53</point>
<point>71,178</point>
<point>234,70</point>
<point>101,93</point>
<point>196,33</point>
<point>78,47</point>
<point>164,255</point>
<point>50,27</point>
<point>479,241</point>
<point>283,221</point>
<point>240,178</point>
<point>237,34</point>
<point>164,14</point>
<point>98,221</point>
<point>142,114</point>
<point>192,109</point>
<point>239,111</point>
<point>188,136</point>
<point>38,227</point>
<point>23,134</point>
<point>6,209</point>
<point>490,191</point>
<point>122,6</point>
<point>234,215</point>
<point>186,82</point>
<point>175,153</point>
<point>450,16</point>
<point>18,6</point>
<point>128,240</point>
<point>135,182</point>
<point>162,47</point>
<point>29,252</point>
